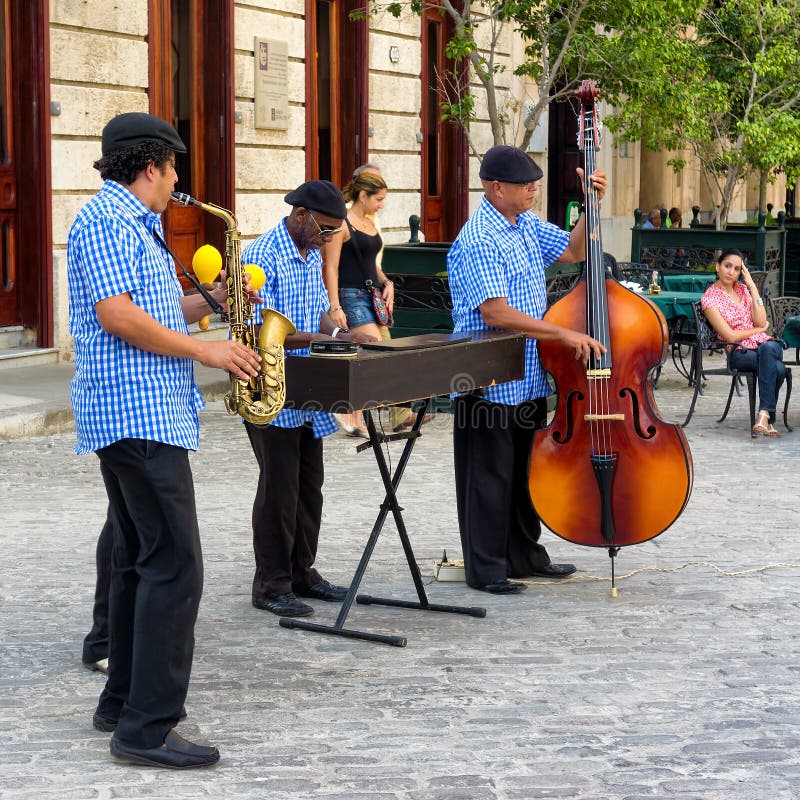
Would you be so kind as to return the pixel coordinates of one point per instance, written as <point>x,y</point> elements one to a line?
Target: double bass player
<point>496,268</point>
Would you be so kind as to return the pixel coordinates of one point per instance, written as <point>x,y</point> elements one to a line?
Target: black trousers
<point>287,510</point>
<point>156,583</point>
<point>499,529</point>
<point>95,645</point>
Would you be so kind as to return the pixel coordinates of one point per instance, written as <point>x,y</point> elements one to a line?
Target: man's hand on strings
<point>599,181</point>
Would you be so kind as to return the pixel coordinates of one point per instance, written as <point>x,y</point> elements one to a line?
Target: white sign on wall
<point>272,84</point>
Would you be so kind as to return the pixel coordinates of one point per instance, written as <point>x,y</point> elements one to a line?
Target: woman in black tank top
<point>350,260</point>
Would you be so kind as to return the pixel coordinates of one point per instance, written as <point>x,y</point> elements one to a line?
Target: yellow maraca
<point>257,276</point>
<point>206,263</point>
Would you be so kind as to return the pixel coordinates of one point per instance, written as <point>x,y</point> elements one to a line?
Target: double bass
<point>608,471</point>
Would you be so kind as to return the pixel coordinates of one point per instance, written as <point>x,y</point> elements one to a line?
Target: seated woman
<point>736,312</point>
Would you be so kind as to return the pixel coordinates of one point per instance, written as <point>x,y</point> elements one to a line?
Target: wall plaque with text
<point>272,84</point>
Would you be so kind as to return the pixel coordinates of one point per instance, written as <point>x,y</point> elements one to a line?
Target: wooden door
<point>10,312</point>
<point>25,212</point>
<point>444,149</point>
<point>336,90</point>
<point>563,157</point>
<point>191,85</point>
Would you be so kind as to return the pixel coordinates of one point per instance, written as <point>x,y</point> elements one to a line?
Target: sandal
<point>763,425</point>
<point>772,432</point>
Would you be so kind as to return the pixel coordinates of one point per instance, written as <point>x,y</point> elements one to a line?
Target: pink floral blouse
<point>738,317</point>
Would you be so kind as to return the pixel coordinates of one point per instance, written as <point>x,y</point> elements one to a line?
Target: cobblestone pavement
<point>684,686</point>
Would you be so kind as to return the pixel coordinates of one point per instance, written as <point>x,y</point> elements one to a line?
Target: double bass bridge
<point>601,374</point>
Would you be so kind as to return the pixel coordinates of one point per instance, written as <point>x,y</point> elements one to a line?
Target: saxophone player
<point>288,506</point>
<point>135,405</point>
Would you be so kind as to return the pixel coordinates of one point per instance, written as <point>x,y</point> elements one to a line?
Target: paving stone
<point>684,686</point>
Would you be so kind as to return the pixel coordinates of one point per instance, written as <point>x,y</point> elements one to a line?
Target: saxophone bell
<point>260,399</point>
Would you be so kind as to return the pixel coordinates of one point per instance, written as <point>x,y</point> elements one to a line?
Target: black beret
<point>128,130</point>
<point>322,196</point>
<point>509,165</point>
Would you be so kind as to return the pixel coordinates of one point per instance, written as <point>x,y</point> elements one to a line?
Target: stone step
<point>16,336</point>
<point>17,351</point>
<point>26,356</point>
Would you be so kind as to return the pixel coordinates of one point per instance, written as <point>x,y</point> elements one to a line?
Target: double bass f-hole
<point>608,471</point>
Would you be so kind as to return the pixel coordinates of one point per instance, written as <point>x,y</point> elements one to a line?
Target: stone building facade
<point>348,91</point>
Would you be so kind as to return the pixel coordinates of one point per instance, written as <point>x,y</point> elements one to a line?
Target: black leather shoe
<point>104,724</point>
<point>175,753</point>
<point>554,571</point>
<point>504,586</point>
<point>284,605</point>
<point>324,590</point>
<point>109,725</point>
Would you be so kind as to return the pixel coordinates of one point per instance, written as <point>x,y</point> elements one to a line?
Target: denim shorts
<point>357,306</point>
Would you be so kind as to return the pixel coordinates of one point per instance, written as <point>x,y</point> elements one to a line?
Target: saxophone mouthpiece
<point>184,199</point>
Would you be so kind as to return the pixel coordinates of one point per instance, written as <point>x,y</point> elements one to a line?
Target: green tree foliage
<point>720,78</point>
<point>725,86</point>
<point>566,41</point>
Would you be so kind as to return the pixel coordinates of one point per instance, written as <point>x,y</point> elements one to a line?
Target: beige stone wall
<point>269,163</point>
<point>98,68</point>
<point>395,94</point>
<point>661,186</point>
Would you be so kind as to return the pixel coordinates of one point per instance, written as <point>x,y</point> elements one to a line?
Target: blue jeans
<point>768,360</point>
<point>357,306</point>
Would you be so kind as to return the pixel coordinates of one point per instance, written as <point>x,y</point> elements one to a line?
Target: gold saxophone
<point>260,398</point>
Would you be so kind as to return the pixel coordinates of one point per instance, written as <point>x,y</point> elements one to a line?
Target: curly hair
<point>123,166</point>
<point>365,182</point>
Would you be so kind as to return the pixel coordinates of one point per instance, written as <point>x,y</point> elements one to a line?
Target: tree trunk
<point>762,190</point>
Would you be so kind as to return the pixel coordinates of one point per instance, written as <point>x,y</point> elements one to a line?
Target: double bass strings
<point>596,305</point>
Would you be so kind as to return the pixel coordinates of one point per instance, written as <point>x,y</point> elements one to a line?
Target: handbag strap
<point>359,255</point>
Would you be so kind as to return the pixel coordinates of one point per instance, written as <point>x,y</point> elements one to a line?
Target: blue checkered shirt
<point>294,287</point>
<point>492,257</point>
<point>120,391</point>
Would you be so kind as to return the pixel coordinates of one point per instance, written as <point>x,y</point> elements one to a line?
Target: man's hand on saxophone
<point>232,356</point>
